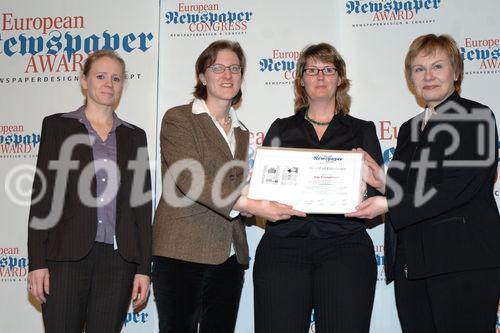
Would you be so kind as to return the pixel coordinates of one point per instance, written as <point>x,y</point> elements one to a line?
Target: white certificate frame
<point>315,181</point>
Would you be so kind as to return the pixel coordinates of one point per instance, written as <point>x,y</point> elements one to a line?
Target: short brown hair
<point>428,44</point>
<point>207,58</point>
<point>326,53</point>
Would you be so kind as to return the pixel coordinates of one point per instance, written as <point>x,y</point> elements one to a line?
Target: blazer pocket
<point>182,212</point>
<point>448,245</point>
<point>66,215</point>
<point>449,220</point>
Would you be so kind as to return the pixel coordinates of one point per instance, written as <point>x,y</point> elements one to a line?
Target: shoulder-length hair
<point>207,58</point>
<point>326,53</point>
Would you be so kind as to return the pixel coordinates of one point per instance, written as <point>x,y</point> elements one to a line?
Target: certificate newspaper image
<point>310,180</point>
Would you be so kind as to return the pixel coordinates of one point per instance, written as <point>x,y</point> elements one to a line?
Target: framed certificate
<point>310,180</point>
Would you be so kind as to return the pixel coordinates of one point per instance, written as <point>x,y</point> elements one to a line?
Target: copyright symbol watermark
<point>18,184</point>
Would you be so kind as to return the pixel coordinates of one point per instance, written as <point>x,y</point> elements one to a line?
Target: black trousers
<point>335,277</point>
<point>189,294</point>
<point>460,302</point>
<point>93,293</point>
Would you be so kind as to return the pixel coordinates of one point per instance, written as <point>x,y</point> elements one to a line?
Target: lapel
<point>241,151</point>
<point>82,152</point>
<point>123,145</point>
<point>422,134</point>
<point>213,134</point>
<point>123,150</point>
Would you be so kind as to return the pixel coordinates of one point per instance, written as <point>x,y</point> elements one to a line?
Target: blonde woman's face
<point>433,77</point>
<point>104,82</point>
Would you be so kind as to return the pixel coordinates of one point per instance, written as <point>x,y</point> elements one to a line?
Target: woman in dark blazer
<point>321,262</point>
<point>443,226</point>
<point>199,241</point>
<point>89,237</point>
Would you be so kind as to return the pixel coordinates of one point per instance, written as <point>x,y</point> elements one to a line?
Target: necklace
<point>319,123</point>
<point>226,121</point>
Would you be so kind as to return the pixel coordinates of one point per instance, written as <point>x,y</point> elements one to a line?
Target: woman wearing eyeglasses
<point>321,262</point>
<point>199,239</point>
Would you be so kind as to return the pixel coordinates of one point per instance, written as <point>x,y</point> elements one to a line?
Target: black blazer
<point>75,229</point>
<point>458,228</point>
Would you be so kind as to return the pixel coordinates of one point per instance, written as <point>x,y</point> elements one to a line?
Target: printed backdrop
<point>43,44</point>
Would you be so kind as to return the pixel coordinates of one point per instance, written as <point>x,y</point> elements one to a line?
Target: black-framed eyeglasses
<point>313,71</point>
<point>220,68</point>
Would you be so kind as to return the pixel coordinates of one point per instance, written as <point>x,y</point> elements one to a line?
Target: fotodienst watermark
<point>470,137</point>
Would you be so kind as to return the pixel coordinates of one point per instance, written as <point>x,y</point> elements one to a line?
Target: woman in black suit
<point>321,262</point>
<point>443,227</point>
<point>90,249</point>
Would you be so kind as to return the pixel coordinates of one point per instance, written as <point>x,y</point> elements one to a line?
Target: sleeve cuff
<point>233,213</point>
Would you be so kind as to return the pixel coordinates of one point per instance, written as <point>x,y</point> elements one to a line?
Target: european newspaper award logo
<point>15,142</point>
<point>206,20</point>
<point>278,67</point>
<point>56,46</point>
<point>383,13</point>
<point>481,55</point>
<point>13,267</point>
